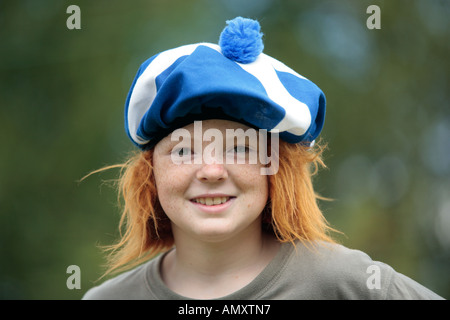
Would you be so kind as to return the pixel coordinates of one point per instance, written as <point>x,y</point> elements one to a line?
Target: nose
<point>213,172</point>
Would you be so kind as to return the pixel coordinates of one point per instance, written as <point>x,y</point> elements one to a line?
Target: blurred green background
<point>61,116</point>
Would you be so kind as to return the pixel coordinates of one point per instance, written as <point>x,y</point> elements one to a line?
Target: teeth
<point>212,201</point>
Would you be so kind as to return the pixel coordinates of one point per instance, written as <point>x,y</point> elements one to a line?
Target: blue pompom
<point>241,40</point>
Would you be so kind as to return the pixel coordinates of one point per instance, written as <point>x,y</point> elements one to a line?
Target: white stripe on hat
<point>280,66</point>
<point>297,118</point>
<point>144,91</point>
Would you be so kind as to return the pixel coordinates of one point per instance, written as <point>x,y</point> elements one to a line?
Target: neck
<point>217,258</point>
<point>210,269</point>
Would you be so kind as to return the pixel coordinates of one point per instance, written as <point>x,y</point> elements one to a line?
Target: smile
<point>211,201</point>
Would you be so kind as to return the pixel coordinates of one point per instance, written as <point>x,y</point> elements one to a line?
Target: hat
<point>233,80</point>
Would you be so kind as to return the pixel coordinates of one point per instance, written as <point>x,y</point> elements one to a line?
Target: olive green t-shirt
<point>325,271</point>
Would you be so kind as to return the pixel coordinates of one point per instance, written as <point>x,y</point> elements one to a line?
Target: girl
<point>219,202</point>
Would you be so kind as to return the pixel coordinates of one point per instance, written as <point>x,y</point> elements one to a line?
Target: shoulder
<point>128,285</point>
<point>337,272</point>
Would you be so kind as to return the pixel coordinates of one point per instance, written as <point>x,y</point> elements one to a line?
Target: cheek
<point>170,182</point>
<point>256,186</point>
<point>262,192</point>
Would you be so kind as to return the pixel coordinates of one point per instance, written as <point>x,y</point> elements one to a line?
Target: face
<point>208,187</point>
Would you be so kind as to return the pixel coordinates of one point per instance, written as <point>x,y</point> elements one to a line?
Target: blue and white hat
<point>233,80</point>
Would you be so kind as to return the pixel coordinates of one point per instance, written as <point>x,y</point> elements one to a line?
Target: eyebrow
<point>236,135</point>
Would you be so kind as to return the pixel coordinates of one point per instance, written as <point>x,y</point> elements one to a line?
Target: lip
<point>213,208</point>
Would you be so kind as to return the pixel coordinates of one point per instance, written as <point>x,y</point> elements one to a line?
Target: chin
<point>220,231</point>
<point>214,234</point>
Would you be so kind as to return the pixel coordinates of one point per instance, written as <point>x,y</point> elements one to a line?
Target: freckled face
<point>215,199</point>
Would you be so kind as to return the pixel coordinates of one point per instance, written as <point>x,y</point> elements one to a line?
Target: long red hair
<point>291,214</point>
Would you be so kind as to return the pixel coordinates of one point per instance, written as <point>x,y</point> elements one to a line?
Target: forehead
<point>216,124</point>
<point>197,129</point>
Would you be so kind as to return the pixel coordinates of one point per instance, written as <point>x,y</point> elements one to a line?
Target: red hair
<point>292,212</point>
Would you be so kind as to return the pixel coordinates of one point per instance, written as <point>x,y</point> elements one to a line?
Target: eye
<point>182,152</point>
<point>241,149</point>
